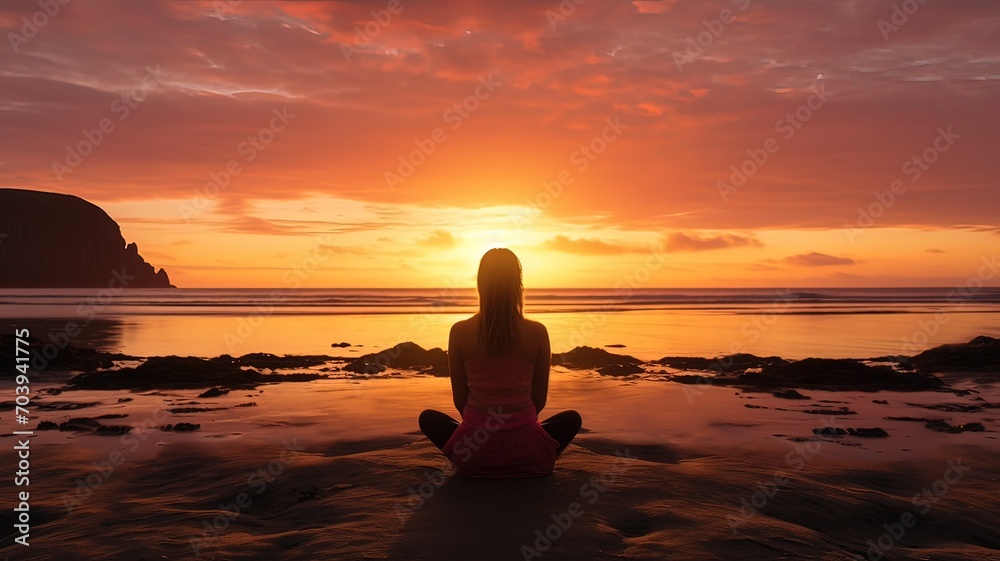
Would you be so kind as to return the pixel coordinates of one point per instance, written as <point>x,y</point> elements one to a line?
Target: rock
<point>177,410</point>
<point>880,402</point>
<point>830,431</point>
<point>958,407</point>
<point>47,425</point>
<point>981,353</point>
<point>88,425</point>
<point>66,405</point>
<point>620,369</point>
<point>63,241</point>
<point>249,404</point>
<point>112,430</point>
<point>80,424</point>
<point>48,356</point>
<point>341,344</point>
<point>913,419</point>
<point>789,394</point>
<point>943,426</point>
<point>839,411</point>
<point>591,358</point>
<point>124,399</point>
<point>270,361</point>
<point>404,356</point>
<point>213,392</point>
<point>181,427</point>
<point>825,373</point>
<point>868,433</point>
<point>366,367</point>
<point>691,379</point>
<point>181,372</point>
<point>730,363</point>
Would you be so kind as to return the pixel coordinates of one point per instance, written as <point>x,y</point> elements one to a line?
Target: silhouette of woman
<point>499,363</point>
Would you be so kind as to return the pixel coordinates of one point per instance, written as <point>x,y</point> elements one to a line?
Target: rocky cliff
<point>48,240</point>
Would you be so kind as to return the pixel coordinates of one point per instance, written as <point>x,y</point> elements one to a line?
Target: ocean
<point>650,323</point>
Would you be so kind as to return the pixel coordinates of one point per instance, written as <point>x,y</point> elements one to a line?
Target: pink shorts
<point>494,443</point>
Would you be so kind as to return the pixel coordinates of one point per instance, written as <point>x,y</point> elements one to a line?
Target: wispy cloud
<point>439,239</point>
<point>815,259</point>
<point>587,246</point>
<point>679,241</point>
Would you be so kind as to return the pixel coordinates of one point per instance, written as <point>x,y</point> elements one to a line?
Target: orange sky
<point>585,140</point>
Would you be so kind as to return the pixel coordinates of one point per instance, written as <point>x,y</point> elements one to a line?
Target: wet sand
<point>335,469</point>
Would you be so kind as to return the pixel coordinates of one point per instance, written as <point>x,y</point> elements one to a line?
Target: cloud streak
<point>680,242</point>
<point>815,259</point>
<point>587,246</point>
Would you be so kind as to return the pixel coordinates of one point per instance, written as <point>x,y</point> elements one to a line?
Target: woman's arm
<point>540,379</point>
<point>456,367</point>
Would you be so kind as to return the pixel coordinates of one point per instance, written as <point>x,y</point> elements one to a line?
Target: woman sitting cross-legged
<point>499,364</point>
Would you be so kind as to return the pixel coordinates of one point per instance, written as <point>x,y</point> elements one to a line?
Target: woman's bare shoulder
<point>535,328</point>
<point>465,325</point>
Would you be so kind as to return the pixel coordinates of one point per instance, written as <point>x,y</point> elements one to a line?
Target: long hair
<point>501,301</point>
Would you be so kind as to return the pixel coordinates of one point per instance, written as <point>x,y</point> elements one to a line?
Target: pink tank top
<point>500,435</point>
<point>503,381</point>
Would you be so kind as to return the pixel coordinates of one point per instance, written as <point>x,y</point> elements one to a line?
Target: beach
<point>667,465</point>
<point>741,254</point>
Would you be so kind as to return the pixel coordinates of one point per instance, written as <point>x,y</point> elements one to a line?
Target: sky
<point>671,143</point>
